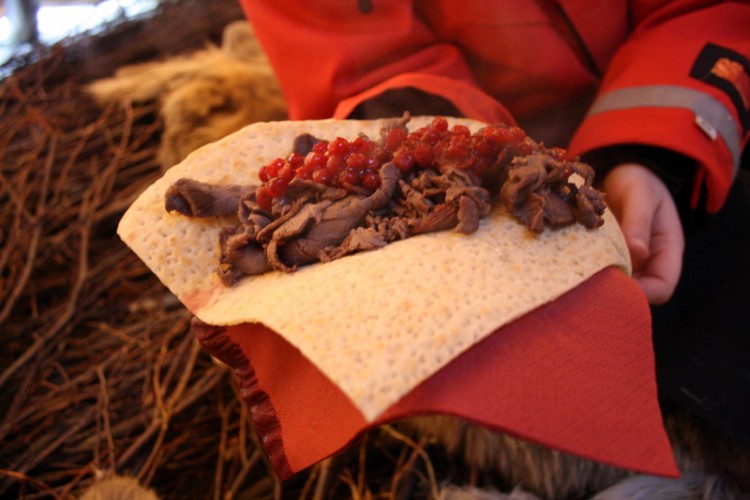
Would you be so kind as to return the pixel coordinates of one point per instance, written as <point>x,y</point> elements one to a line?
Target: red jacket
<point>672,74</point>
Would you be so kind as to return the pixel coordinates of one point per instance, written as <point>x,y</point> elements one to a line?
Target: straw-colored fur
<point>203,96</point>
<point>114,487</point>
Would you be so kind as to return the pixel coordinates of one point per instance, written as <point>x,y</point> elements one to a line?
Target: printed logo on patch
<point>728,71</point>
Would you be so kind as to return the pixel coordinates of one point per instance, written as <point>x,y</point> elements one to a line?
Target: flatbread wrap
<point>375,329</point>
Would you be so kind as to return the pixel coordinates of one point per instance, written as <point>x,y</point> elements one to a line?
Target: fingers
<point>636,212</point>
<point>651,226</point>
<point>659,274</point>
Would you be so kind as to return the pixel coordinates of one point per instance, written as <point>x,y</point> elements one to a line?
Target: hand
<point>648,216</point>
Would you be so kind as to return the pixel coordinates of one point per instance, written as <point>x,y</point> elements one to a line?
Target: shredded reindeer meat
<point>538,192</point>
<point>198,199</point>
<point>309,220</point>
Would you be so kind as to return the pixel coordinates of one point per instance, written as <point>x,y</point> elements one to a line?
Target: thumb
<point>634,206</point>
<point>636,220</point>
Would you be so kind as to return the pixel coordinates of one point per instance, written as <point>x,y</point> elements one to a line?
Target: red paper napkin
<point>576,374</point>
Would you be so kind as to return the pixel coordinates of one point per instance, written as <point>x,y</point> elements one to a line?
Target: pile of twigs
<point>99,372</point>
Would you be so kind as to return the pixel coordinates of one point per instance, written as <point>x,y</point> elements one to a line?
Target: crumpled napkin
<point>576,374</point>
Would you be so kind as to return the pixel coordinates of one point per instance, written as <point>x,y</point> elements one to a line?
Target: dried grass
<point>99,370</point>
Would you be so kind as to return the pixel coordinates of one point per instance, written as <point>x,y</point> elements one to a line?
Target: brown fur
<point>535,469</point>
<point>713,465</point>
<point>203,96</point>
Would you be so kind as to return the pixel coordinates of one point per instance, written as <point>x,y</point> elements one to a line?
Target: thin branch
<point>104,397</point>
<point>33,245</point>
<point>23,478</point>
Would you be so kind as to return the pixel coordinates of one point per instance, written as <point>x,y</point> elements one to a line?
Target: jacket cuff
<point>668,128</point>
<point>676,171</point>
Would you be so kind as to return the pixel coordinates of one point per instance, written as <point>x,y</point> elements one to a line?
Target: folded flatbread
<point>376,324</point>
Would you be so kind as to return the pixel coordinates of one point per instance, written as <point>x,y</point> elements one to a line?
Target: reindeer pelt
<point>533,469</point>
<point>202,96</point>
<point>451,492</point>
<point>641,487</point>
<point>687,487</point>
<point>713,466</point>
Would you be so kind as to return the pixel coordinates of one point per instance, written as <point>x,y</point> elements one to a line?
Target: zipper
<point>567,30</point>
<point>365,6</point>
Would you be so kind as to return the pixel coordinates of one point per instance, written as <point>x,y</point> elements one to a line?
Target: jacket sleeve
<point>332,55</point>
<point>681,82</point>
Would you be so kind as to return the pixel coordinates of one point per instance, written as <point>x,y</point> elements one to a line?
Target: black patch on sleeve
<point>704,70</point>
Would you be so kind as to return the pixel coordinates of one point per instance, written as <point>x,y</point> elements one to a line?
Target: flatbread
<point>375,323</point>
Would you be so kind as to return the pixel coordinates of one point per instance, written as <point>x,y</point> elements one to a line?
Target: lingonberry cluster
<point>355,164</point>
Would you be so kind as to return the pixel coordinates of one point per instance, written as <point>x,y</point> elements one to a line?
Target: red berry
<point>303,173</point>
<point>286,173</point>
<point>361,145</point>
<point>277,187</point>
<point>457,149</point>
<point>439,123</point>
<point>314,160</point>
<point>403,160</point>
<point>373,164</point>
<point>461,131</point>
<point>263,198</point>
<point>515,134</point>
<point>263,174</point>
<point>349,176</point>
<point>432,136</point>
<point>423,155</point>
<point>321,176</point>
<point>484,146</point>
<point>370,180</point>
<point>356,160</point>
<point>295,160</point>
<point>274,167</point>
<point>503,135</point>
<point>334,164</point>
<point>320,147</point>
<point>338,147</point>
<point>394,137</point>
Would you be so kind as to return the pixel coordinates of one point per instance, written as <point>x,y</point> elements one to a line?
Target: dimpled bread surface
<point>375,323</point>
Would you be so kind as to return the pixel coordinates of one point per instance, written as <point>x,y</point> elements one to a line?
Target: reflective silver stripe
<point>710,114</point>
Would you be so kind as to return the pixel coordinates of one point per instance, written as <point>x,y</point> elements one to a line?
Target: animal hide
<point>713,465</point>
<point>202,96</point>
<point>534,469</point>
